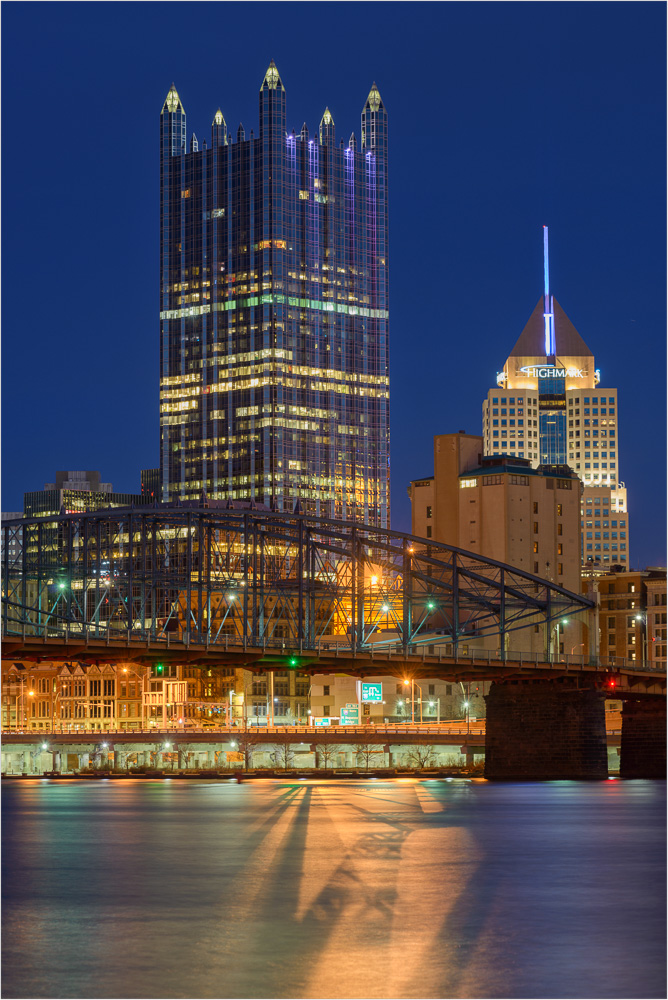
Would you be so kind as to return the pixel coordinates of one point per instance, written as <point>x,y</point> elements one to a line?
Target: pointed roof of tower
<point>218,118</point>
<point>374,101</point>
<point>327,125</point>
<point>172,101</point>
<point>272,80</point>
<point>531,342</point>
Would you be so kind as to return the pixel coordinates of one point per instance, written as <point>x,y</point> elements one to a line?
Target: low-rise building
<point>632,615</point>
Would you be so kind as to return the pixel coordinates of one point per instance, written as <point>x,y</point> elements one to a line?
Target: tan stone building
<point>503,508</point>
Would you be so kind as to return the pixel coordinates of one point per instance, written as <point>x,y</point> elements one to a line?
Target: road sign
<point>350,715</point>
<point>322,722</point>
<point>372,692</point>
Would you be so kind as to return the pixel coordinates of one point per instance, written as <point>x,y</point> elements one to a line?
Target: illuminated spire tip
<point>272,80</point>
<point>374,101</point>
<point>172,101</point>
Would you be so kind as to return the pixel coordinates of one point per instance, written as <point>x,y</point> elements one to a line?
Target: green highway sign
<point>350,715</point>
<point>372,692</point>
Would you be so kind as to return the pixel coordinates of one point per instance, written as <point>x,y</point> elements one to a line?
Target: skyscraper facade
<point>274,357</point>
<point>548,406</point>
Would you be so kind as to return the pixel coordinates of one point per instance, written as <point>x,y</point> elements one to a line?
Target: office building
<point>74,492</point>
<point>150,484</point>
<point>548,407</point>
<point>503,508</point>
<point>632,615</point>
<point>274,312</point>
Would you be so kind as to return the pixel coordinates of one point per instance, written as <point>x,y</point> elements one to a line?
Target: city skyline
<point>466,215</point>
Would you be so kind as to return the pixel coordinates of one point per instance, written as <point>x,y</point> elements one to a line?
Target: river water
<point>403,888</point>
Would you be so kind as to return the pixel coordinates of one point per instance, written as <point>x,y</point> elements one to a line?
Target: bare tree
<point>366,751</point>
<point>283,755</point>
<point>246,740</point>
<point>328,752</point>
<point>420,756</point>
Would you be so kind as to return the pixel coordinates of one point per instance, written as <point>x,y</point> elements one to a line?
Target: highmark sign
<point>549,371</point>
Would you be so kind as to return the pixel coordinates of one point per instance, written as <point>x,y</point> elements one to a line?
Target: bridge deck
<point>368,663</point>
<point>444,733</point>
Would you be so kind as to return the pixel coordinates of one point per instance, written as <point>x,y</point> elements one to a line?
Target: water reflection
<point>340,889</point>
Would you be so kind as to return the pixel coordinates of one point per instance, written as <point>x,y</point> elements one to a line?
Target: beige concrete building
<point>503,508</point>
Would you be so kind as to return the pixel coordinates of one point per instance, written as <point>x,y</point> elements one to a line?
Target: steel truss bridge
<point>264,584</point>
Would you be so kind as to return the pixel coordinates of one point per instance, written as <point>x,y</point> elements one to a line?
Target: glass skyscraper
<point>274,360</point>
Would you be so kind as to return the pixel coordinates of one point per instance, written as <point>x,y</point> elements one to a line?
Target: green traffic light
<point>293,661</point>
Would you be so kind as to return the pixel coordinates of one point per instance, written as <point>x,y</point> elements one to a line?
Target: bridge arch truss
<point>262,579</point>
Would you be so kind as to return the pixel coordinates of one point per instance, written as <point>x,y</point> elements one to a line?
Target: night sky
<point>503,117</point>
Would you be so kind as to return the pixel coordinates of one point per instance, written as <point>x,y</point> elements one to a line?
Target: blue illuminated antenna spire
<point>548,308</point>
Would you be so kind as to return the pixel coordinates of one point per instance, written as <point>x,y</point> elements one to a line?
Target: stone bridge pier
<point>643,738</point>
<point>545,729</point>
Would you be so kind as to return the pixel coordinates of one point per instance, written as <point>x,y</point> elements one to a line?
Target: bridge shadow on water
<point>357,894</point>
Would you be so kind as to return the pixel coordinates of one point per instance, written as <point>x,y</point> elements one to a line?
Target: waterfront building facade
<point>80,697</point>
<point>274,356</point>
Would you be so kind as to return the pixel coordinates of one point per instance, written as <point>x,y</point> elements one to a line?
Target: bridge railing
<point>440,649</point>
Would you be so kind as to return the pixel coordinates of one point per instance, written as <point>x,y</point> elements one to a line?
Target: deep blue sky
<point>502,117</point>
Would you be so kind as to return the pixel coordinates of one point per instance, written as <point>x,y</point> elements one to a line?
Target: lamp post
<point>31,694</point>
<point>557,627</point>
<point>420,690</point>
<point>438,710</point>
<point>54,701</point>
<point>642,621</point>
<point>412,700</point>
<point>413,686</point>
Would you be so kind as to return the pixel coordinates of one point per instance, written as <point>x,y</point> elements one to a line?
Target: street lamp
<point>642,620</point>
<point>438,713</point>
<point>413,686</point>
<point>31,694</point>
<point>559,625</point>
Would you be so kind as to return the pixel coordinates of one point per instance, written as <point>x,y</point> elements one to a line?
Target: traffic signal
<point>293,661</point>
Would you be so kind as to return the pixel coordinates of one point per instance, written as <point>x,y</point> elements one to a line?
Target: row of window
<point>587,400</point>
<point>606,547</point>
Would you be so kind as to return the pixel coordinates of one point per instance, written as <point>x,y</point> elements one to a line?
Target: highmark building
<point>274,312</point>
<point>548,407</point>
